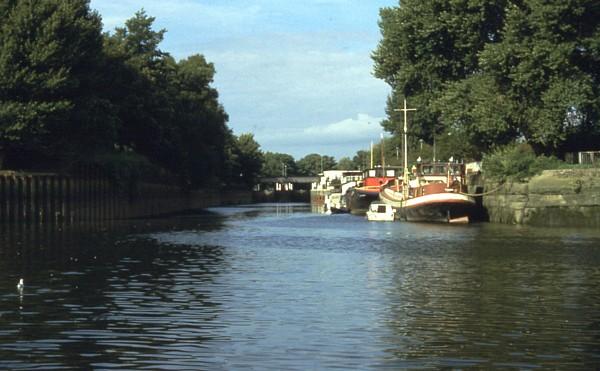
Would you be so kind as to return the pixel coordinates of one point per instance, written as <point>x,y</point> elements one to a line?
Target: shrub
<point>516,162</point>
<point>127,167</point>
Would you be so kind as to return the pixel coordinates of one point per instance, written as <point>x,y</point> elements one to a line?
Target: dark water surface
<point>278,287</point>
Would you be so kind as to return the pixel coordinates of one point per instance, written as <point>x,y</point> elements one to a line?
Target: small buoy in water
<point>20,285</point>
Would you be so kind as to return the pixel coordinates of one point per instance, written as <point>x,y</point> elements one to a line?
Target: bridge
<point>286,183</point>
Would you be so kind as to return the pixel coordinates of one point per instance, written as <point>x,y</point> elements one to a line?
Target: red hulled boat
<point>360,197</point>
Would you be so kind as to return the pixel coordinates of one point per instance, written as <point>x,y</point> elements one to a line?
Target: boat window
<point>390,173</point>
<point>372,173</point>
<point>381,209</point>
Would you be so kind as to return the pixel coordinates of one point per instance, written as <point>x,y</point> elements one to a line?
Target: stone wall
<point>568,197</point>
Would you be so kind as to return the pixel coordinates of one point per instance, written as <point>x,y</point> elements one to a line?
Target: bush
<point>128,167</point>
<point>516,162</point>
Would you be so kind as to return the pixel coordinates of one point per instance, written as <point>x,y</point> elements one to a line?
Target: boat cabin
<point>381,212</point>
<point>441,168</point>
<point>438,177</point>
<point>375,177</point>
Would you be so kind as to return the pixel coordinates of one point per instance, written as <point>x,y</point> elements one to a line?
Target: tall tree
<point>345,163</point>
<point>547,69</point>
<point>277,164</point>
<point>142,78</point>
<point>491,72</point>
<point>199,122</point>
<point>425,45</point>
<point>50,65</point>
<point>250,159</point>
<point>314,163</point>
<point>362,160</point>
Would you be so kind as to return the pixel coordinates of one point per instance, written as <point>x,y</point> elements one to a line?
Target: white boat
<point>380,212</point>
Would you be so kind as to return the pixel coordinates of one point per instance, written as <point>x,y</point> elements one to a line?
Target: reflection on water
<point>276,286</point>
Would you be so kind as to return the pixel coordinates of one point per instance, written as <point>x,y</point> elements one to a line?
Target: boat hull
<point>391,197</point>
<point>439,207</point>
<point>447,207</point>
<point>358,201</point>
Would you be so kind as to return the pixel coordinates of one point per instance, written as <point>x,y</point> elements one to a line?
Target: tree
<point>199,123</point>
<point>478,119</point>
<point>362,160</point>
<point>492,72</point>
<point>141,85</point>
<point>425,46</point>
<point>276,164</point>
<point>345,163</point>
<point>313,164</point>
<point>250,159</point>
<point>70,94</point>
<point>547,68</point>
<point>51,61</point>
<point>168,110</point>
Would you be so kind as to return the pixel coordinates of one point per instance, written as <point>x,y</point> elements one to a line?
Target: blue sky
<point>296,74</point>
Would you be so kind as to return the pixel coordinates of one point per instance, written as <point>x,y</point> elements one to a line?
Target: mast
<point>371,155</point>
<point>406,173</point>
<point>382,156</point>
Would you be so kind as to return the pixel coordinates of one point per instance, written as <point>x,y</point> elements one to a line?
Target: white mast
<point>371,155</point>
<point>405,179</point>
<point>382,156</point>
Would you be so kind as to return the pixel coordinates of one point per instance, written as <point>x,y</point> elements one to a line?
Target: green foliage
<point>51,111</point>
<point>517,163</point>
<point>127,167</point>
<point>547,67</point>
<point>145,86</point>
<point>168,111</point>
<point>199,129</point>
<point>480,117</point>
<point>345,163</point>
<point>426,45</point>
<point>249,159</point>
<point>275,164</point>
<point>69,94</point>
<point>314,163</point>
<point>492,72</point>
<point>362,159</point>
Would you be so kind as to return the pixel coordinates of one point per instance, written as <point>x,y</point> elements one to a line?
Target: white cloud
<point>289,72</point>
<point>290,80</point>
<point>180,13</point>
<point>338,139</point>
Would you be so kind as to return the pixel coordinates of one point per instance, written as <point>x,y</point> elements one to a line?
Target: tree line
<point>70,93</point>
<point>487,73</point>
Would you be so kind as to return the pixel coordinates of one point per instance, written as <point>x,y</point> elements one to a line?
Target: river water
<point>279,287</point>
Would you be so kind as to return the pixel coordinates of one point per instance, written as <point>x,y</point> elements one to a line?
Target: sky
<point>296,74</point>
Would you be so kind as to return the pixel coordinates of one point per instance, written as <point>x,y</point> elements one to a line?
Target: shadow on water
<point>96,292</point>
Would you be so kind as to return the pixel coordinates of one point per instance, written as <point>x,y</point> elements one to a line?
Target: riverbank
<point>565,198</point>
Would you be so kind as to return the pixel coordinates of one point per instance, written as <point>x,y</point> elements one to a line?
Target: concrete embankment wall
<point>554,198</point>
<point>49,198</point>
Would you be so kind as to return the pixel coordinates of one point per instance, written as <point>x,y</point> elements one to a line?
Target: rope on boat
<point>484,193</point>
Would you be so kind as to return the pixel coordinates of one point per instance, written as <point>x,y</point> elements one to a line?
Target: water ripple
<point>273,287</point>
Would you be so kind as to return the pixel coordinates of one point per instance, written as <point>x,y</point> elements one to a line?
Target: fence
<point>54,198</point>
<point>589,157</point>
